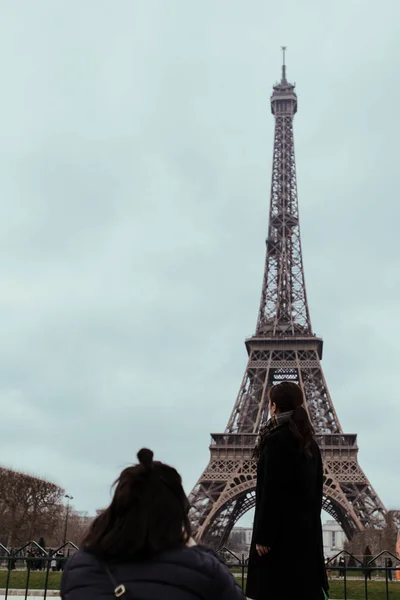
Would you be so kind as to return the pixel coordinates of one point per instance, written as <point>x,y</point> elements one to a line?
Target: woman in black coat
<point>140,547</point>
<point>286,556</point>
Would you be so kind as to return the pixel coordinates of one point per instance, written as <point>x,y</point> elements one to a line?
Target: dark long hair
<point>288,396</point>
<point>147,515</point>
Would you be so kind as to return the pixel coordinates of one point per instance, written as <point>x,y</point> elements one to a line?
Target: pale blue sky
<point>135,163</point>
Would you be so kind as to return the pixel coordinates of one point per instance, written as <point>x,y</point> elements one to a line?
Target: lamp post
<point>66,517</point>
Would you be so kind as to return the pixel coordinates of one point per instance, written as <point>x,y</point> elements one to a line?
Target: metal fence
<point>356,578</point>
<point>33,570</point>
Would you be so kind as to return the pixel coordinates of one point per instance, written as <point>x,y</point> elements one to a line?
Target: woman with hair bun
<point>140,547</point>
<point>286,556</point>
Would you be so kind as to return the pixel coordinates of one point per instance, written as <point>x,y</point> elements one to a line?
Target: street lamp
<point>66,517</point>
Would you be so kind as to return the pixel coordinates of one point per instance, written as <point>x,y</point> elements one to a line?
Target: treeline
<point>32,508</point>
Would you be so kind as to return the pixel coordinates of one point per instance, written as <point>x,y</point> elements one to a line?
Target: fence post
<point>243,563</point>
<point>387,583</point>
<point>28,574</point>
<point>10,558</point>
<point>46,583</point>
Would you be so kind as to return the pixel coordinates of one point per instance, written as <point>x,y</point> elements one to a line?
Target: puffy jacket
<point>188,574</point>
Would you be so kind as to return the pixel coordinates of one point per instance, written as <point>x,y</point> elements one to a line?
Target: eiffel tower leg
<point>220,498</point>
<point>340,452</point>
<point>225,521</point>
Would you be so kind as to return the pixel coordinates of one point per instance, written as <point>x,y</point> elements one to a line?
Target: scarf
<point>273,423</point>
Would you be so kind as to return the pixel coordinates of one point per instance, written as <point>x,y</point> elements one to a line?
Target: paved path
<point>33,594</point>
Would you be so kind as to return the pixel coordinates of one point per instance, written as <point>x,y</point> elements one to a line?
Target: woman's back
<point>295,493</point>
<point>287,522</point>
<point>299,473</point>
<point>288,518</point>
<point>182,574</point>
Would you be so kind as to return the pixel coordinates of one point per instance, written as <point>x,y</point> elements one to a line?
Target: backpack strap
<point>119,589</point>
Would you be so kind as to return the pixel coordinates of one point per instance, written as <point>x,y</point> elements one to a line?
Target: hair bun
<point>145,457</point>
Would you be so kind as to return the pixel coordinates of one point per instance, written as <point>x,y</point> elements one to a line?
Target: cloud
<point>135,160</point>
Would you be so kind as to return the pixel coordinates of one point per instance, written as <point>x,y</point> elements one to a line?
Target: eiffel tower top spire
<point>284,48</point>
<point>283,90</point>
<point>283,307</point>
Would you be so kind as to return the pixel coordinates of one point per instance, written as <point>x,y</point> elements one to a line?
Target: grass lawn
<point>36,580</point>
<point>356,590</point>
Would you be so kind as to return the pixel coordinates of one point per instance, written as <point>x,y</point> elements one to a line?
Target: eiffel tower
<point>283,347</point>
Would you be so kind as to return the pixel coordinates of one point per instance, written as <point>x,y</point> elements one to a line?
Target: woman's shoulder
<point>82,559</point>
<point>208,563</point>
<point>197,568</point>
<point>197,558</point>
<point>280,435</point>
<point>80,571</point>
<point>282,441</point>
<point>283,435</point>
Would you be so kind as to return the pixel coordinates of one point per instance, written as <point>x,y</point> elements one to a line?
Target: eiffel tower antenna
<point>284,48</point>
<point>283,347</point>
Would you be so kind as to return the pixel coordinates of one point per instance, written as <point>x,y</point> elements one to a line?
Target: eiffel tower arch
<point>283,347</point>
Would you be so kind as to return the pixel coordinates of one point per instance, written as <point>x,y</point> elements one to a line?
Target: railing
<point>248,440</point>
<point>242,440</point>
<point>32,567</point>
<point>337,440</point>
<point>351,581</point>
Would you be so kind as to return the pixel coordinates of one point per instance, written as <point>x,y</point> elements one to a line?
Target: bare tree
<point>78,526</point>
<point>78,523</point>
<point>390,533</point>
<point>377,540</point>
<point>29,506</point>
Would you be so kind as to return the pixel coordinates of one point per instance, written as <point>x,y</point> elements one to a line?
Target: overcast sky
<point>135,164</point>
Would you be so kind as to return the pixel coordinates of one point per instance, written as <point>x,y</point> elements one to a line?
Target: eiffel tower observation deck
<point>283,347</point>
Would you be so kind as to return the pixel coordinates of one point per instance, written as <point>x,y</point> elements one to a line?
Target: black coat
<point>288,521</point>
<point>188,574</point>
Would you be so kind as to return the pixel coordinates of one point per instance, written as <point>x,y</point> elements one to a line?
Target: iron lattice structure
<point>283,348</point>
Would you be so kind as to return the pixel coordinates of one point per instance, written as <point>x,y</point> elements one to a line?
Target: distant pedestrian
<point>60,561</point>
<point>141,546</point>
<point>53,563</point>
<point>329,568</point>
<point>367,563</point>
<point>288,504</point>
<point>11,560</point>
<point>389,567</point>
<point>342,566</point>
